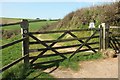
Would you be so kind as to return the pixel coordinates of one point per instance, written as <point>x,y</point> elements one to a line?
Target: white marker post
<point>91,25</point>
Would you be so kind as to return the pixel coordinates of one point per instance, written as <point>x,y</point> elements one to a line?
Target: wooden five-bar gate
<point>99,37</point>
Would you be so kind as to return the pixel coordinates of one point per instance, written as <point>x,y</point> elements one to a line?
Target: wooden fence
<point>102,34</point>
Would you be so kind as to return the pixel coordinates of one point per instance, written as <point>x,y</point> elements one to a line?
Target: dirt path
<point>103,68</point>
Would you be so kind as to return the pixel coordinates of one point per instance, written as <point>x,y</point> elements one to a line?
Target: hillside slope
<point>82,17</point>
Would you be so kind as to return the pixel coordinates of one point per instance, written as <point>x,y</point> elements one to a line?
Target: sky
<point>58,0</point>
<point>42,10</point>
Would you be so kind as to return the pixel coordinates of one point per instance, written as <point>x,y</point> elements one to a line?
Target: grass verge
<point>24,72</point>
<point>73,63</point>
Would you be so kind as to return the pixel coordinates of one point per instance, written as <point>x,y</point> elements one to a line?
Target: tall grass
<point>11,53</point>
<point>24,72</point>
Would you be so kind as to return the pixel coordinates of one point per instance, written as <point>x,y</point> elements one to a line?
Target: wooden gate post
<point>107,27</point>
<point>103,26</point>
<point>101,37</point>
<point>105,36</point>
<point>25,45</point>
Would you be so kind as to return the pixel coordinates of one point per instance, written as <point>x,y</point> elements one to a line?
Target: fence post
<point>105,36</point>
<point>25,44</point>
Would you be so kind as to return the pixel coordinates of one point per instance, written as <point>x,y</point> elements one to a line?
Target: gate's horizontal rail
<point>117,27</point>
<point>61,47</point>
<point>118,38</point>
<point>13,63</point>
<point>115,36</point>
<point>64,53</point>
<point>12,43</point>
<point>61,31</point>
<point>63,40</point>
<point>116,42</point>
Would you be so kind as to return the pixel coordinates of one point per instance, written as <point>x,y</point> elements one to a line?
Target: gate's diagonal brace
<point>44,44</point>
<point>83,44</point>
<point>47,46</point>
<point>117,42</point>
<point>118,45</point>
<point>34,59</point>
<point>58,39</point>
<point>112,44</point>
<point>113,39</point>
<point>41,52</point>
<point>55,43</point>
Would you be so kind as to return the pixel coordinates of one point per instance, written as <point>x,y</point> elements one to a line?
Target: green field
<point>32,26</point>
